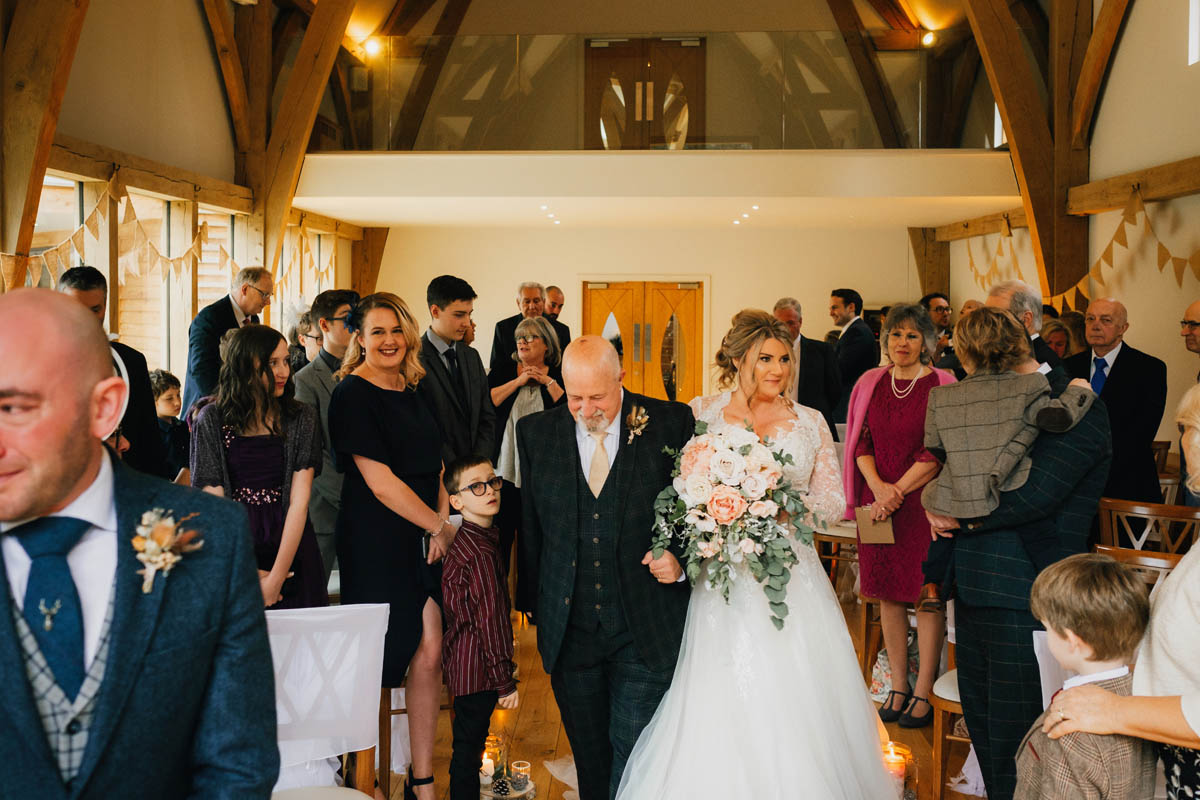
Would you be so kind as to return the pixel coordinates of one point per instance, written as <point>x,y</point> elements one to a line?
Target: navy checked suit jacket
<point>1066,479</point>
<point>187,706</point>
<point>204,353</point>
<point>550,464</point>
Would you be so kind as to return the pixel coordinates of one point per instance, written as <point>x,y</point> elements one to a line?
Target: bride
<point>753,711</point>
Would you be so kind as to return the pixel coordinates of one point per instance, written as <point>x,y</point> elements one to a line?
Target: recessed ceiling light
<point>558,222</point>
<point>544,208</point>
<point>928,39</point>
<point>737,222</point>
<point>754,208</point>
<point>372,46</point>
<point>745,216</point>
<point>549,216</point>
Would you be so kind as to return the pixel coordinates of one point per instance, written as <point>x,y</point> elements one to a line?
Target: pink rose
<point>764,508</point>
<point>746,546</point>
<point>726,504</point>
<point>696,456</point>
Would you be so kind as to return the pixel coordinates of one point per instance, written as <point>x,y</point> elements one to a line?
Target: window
<point>142,298</point>
<point>1193,31</point>
<point>58,218</point>
<point>998,135</point>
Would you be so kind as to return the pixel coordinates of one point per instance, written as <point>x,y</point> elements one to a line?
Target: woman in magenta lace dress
<point>886,465</point>
<point>256,444</point>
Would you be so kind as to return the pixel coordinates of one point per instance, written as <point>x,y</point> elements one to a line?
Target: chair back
<point>1150,566</point>
<point>1169,483</point>
<point>328,667</point>
<point>1133,525</point>
<point>1160,450</point>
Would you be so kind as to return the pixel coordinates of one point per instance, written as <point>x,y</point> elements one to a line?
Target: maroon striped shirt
<point>477,646</point>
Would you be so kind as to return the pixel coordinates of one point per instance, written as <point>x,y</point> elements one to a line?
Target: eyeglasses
<point>479,488</point>
<point>266,295</point>
<point>529,339</point>
<point>342,319</point>
<point>317,339</point>
<point>1188,325</point>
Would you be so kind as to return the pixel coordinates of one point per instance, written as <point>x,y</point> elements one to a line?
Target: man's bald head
<point>58,400</point>
<point>592,379</point>
<point>1105,324</point>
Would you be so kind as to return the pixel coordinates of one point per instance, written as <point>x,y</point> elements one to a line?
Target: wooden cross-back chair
<point>1160,450</point>
<point>1133,525</point>
<point>1151,566</point>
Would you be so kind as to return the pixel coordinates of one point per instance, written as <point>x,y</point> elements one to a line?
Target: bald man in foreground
<point>116,680</point>
<point>1133,386</point>
<point>610,616</point>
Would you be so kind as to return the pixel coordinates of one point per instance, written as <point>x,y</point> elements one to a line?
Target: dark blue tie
<point>51,601</point>
<point>1098,377</point>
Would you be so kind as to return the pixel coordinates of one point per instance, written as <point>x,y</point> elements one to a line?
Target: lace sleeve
<point>708,409</point>
<point>826,498</point>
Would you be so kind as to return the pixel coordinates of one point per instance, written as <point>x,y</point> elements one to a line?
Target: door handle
<point>637,102</point>
<point>649,101</point>
<point>646,352</point>
<point>637,341</point>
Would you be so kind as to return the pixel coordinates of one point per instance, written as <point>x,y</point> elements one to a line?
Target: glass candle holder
<point>497,748</point>
<point>520,775</point>
<point>902,768</point>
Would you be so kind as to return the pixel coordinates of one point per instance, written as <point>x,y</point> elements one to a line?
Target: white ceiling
<point>793,189</point>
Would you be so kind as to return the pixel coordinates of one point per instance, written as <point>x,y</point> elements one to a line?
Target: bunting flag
<point>38,265</point>
<point>993,274</point>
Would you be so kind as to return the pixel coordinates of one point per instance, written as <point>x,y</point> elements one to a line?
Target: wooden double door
<point>644,93</point>
<point>658,330</point>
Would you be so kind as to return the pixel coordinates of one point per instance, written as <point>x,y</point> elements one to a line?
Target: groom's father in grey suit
<point>111,686</point>
<point>314,385</point>
<point>610,616</point>
<point>455,385</point>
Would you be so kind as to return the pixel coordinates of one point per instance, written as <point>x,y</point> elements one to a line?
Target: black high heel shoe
<point>410,782</point>
<point>889,714</point>
<point>908,720</point>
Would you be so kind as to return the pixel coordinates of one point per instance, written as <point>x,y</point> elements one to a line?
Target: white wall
<point>146,81</point>
<point>1149,114</point>
<point>740,268</point>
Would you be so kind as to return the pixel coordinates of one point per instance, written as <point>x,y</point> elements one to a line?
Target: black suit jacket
<point>1135,393</point>
<point>504,346</point>
<point>550,466</point>
<point>468,425</point>
<point>818,383</point>
<point>204,354</point>
<point>1045,353</point>
<point>147,450</point>
<point>857,351</point>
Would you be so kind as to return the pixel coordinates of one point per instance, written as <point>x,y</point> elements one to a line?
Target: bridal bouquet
<point>729,504</point>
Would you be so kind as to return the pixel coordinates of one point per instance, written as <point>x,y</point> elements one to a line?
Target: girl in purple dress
<point>256,444</point>
<point>886,465</point>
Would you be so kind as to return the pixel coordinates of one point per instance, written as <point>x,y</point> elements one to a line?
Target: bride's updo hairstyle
<point>748,331</point>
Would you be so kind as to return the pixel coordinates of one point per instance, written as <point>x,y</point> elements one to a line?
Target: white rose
<point>728,467</point>
<point>680,487</point>
<point>761,454</point>
<point>754,485</point>
<point>735,553</point>
<point>764,508</point>
<point>747,546</point>
<point>698,489</point>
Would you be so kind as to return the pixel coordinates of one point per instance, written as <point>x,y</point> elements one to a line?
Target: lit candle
<point>896,763</point>
<point>487,770</point>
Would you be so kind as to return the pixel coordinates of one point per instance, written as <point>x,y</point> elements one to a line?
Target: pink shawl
<point>860,397</point>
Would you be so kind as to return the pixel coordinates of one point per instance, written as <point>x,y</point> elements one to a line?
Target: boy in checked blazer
<point>1107,603</point>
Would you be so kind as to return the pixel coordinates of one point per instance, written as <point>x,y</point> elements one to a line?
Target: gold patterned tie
<point>598,471</point>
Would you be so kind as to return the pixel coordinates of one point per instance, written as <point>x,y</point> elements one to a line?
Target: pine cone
<point>500,787</point>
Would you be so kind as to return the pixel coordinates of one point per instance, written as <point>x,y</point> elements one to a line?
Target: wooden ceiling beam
<point>1031,19</point>
<point>288,25</point>
<point>932,257</point>
<point>433,60</point>
<point>979,226</point>
<point>220,25</point>
<point>866,65</point>
<point>1070,30</point>
<point>294,121</point>
<point>884,41</point>
<point>319,223</point>
<point>366,257</point>
<point>895,16</point>
<point>253,31</point>
<point>1095,67</point>
<point>955,115</point>
<point>306,7</point>
<point>1015,88</point>
<point>341,102</point>
<point>404,17</point>
<point>39,50</point>
<point>1162,182</point>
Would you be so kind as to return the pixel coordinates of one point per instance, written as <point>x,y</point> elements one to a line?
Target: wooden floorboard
<point>535,733</point>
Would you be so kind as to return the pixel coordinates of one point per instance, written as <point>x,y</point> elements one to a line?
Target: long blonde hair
<point>748,331</point>
<point>1188,417</point>
<point>410,368</point>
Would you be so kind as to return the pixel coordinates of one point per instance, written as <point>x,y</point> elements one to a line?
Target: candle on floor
<point>895,761</point>
<point>520,775</point>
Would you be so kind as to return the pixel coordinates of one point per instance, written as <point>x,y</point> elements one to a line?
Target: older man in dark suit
<point>1025,303</point>
<point>455,385</point>
<point>1133,385</point>
<point>816,382</point>
<point>147,452</point>
<point>610,616</point>
<point>252,289</point>
<point>531,302</point>
<point>856,348</point>
<point>998,675</point>
<point>123,673</point>
<point>314,385</point>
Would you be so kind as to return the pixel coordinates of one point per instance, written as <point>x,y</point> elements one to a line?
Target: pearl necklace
<point>900,395</point>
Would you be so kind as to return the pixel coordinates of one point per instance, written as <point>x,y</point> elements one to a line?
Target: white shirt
<point>1168,662</point>
<point>1111,358</point>
<point>1095,677</point>
<point>612,440</point>
<point>848,324</point>
<point>442,346</point>
<point>237,312</point>
<point>93,560</point>
<point>1043,368</point>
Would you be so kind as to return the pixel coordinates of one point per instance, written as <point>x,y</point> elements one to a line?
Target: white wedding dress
<point>755,712</point>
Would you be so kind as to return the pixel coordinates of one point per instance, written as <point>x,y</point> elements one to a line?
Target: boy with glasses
<point>477,646</point>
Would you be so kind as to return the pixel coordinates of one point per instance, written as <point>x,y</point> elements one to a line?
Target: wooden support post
<point>252,28</point>
<point>1024,116</point>
<point>220,25</point>
<point>38,53</point>
<point>1095,67</point>
<point>932,258</point>
<point>866,64</point>
<point>366,257</point>
<point>294,121</point>
<point>1070,29</point>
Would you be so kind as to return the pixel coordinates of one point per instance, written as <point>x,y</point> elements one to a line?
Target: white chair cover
<point>328,667</point>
